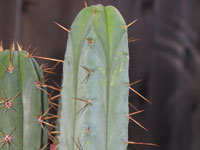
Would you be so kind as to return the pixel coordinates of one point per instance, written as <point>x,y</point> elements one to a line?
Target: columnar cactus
<point>95,85</point>
<point>23,104</point>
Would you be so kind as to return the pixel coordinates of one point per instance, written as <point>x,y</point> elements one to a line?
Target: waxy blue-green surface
<point>28,134</point>
<point>97,41</point>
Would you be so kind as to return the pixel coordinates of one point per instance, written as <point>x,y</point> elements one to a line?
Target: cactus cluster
<point>95,89</point>
<point>22,102</point>
<point>95,85</point>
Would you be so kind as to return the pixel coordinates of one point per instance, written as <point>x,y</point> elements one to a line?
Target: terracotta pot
<point>53,147</point>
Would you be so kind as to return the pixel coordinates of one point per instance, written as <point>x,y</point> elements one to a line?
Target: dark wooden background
<point>166,58</point>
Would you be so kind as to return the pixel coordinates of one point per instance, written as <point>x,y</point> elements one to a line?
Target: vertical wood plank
<point>7,21</point>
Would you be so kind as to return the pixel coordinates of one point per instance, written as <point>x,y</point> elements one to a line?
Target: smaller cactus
<point>23,102</point>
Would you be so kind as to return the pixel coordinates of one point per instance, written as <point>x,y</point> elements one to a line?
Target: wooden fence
<point>166,58</point>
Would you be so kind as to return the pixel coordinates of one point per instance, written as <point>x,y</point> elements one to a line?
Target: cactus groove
<point>95,85</point>
<point>21,102</point>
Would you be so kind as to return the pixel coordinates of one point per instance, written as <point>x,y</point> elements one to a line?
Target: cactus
<point>95,85</point>
<point>23,104</point>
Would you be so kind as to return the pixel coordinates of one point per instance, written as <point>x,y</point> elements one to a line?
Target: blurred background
<point>166,58</point>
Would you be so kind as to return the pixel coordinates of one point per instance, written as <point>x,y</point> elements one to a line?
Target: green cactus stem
<point>95,85</point>
<point>23,105</point>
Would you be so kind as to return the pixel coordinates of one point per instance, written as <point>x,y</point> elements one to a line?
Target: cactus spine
<point>22,103</point>
<point>95,85</point>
